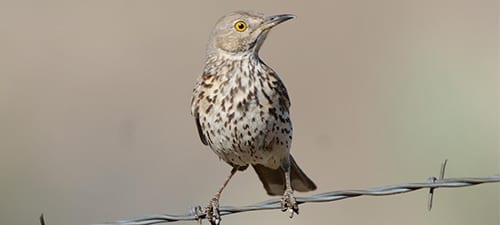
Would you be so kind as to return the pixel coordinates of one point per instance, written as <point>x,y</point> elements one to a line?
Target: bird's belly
<point>241,137</point>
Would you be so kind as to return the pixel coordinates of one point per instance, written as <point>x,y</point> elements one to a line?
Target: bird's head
<point>243,32</point>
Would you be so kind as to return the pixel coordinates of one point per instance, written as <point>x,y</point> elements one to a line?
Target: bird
<point>241,109</point>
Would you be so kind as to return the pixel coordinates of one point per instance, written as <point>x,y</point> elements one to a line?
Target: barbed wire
<point>197,213</point>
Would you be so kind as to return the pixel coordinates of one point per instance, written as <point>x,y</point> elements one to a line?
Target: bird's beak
<point>272,21</point>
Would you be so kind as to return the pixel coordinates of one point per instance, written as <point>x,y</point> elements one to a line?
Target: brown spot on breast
<point>239,106</point>
<point>207,84</point>
<point>233,91</point>
<point>209,108</point>
<point>272,112</point>
<point>230,117</point>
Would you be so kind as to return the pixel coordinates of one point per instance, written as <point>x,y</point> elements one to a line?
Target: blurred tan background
<point>95,118</point>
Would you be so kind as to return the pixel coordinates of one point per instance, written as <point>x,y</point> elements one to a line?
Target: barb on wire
<point>197,213</point>
<point>433,180</point>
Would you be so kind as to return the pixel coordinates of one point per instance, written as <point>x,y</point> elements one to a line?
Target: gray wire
<point>197,213</point>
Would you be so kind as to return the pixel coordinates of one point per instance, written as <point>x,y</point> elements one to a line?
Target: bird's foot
<point>288,203</point>
<point>212,212</point>
<point>198,212</point>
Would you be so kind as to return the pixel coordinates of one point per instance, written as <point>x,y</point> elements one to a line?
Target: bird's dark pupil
<point>241,26</point>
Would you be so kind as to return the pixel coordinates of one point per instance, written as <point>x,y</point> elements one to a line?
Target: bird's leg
<point>288,201</point>
<point>212,210</point>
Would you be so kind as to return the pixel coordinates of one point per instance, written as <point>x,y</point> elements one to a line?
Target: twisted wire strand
<point>197,213</point>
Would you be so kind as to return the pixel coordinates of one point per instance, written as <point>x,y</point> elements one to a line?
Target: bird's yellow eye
<point>240,26</point>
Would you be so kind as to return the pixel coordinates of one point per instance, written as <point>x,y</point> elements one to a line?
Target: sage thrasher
<point>241,109</point>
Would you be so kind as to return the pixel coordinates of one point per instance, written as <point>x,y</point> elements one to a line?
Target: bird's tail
<point>274,179</point>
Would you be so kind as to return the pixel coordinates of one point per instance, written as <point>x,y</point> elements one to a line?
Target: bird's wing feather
<point>200,131</point>
<point>279,86</point>
<point>198,95</point>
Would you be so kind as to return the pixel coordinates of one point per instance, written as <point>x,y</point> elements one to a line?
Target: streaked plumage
<point>241,107</point>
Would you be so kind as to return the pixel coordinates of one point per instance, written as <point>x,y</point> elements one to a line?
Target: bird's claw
<point>288,203</point>
<point>198,213</point>
<point>212,212</point>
